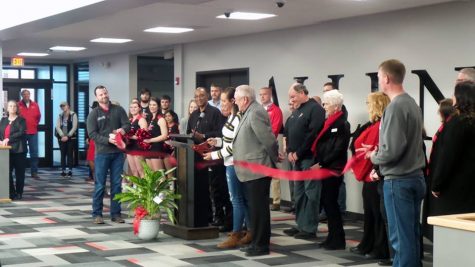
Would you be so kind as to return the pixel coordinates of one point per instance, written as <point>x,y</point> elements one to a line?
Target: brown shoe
<point>275,207</point>
<point>98,220</point>
<point>231,242</point>
<point>246,240</point>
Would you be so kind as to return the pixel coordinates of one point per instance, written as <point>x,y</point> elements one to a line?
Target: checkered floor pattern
<point>52,226</point>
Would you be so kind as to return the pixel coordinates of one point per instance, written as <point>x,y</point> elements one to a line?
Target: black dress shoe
<point>257,252</point>
<point>291,231</point>
<point>246,248</point>
<point>385,262</point>
<point>305,235</point>
<point>356,250</point>
<point>371,256</point>
<point>19,196</point>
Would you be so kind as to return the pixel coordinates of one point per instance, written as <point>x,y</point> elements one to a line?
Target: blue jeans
<point>236,192</point>
<point>113,162</point>
<point>402,200</point>
<point>32,140</point>
<point>307,199</point>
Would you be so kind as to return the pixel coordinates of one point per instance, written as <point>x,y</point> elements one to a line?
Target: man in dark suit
<point>254,142</point>
<point>206,122</point>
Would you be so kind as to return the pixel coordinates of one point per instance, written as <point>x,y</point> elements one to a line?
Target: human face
<point>330,109</point>
<point>226,105</point>
<point>165,104</point>
<point>327,88</point>
<point>296,98</point>
<point>201,98</point>
<point>134,109</point>
<point>241,102</point>
<point>153,106</point>
<point>265,95</point>
<point>383,80</point>
<point>102,96</point>
<point>25,94</point>
<point>169,118</point>
<point>192,107</point>
<point>12,108</point>
<point>65,108</point>
<point>144,98</point>
<point>215,93</point>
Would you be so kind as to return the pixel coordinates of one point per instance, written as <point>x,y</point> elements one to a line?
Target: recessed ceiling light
<point>31,54</point>
<point>67,48</point>
<point>18,12</point>
<point>246,16</point>
<point>169,30</point>
<point>111,40</point>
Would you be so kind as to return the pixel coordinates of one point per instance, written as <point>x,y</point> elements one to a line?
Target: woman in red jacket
<point>374,243</point>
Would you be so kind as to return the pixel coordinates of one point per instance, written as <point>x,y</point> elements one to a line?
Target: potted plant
<point>147,198</point>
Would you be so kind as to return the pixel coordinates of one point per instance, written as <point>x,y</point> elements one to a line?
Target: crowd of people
<point>388,157</point>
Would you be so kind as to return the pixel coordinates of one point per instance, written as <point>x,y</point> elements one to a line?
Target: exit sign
<point>18,61</point>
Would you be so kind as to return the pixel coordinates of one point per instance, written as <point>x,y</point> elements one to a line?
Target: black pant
<point>66,149</point>
<point>375,238</point>
<point>257,193</point>
<point>219,193</point>
<point>17,162</point>
<point>330,190</point>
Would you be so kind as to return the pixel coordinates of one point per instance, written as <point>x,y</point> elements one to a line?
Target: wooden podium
<point>5,174</point>
<point>193,207</point>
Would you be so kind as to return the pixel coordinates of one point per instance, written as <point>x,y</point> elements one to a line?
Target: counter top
<point>5,147</point>
<point>457,221</point>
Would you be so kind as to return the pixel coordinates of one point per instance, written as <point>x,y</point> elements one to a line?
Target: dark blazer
<point>17,138</point>
<point>452,168</point>
<point>332,147</point>
<point>254,142</point>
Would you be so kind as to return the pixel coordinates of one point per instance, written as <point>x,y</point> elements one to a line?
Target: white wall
<point>436,38</point>
<point>118,73</point>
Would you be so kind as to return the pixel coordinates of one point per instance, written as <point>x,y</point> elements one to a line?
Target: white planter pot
<point>149,229</point>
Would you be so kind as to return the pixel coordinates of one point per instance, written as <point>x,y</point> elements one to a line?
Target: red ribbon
<point>312,174</point>
<point>140,213</point>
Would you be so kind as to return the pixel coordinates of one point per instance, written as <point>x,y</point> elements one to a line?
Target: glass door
<point>40,92</point>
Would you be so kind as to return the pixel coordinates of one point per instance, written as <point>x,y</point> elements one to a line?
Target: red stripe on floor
<point>286,218</point>
<point>94,245</point>
<point>46,220</point>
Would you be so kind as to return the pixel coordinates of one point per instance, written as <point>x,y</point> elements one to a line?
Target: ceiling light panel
<point>111,40</point>
<point>169,30</point>
<point>32,54</point>
<point>246,16</point>
<point>66,48</point>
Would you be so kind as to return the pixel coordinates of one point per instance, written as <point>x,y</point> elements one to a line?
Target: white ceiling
<point>128,19</point>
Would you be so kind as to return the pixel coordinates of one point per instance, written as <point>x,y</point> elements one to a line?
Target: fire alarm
<point>177,81</point>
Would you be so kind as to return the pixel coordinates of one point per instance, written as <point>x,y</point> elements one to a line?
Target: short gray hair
<point>245,90</point>
<point>333,97</point>
<point>469,73</point>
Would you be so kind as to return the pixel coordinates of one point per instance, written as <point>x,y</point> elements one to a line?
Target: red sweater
<point>276,118</point>
<point>31,115</point>
<point>362,167</point>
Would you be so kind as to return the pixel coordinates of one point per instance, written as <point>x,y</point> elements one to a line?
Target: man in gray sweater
<point>400,158</point>
<point>102,124</point>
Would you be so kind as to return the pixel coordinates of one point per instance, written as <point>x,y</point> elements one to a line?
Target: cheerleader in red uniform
<point>157,127</point>
<point>134,151</point>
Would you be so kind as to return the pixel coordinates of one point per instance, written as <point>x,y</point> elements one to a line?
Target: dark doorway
<point>222,78</point>
<point>41,93</point>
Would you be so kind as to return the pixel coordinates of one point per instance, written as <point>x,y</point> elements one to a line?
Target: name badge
<point>334,130</point>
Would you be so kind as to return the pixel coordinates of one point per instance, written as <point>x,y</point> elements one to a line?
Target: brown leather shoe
<point>275,207</point>
<point>231,242</point>
<point>246,240</point>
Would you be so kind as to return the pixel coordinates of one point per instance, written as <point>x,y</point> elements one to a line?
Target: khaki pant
<point>275,188</point>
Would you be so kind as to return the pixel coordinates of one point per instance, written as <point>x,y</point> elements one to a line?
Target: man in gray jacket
<point>102,124</point>
<point>400,158</point>
<point>254,142</point>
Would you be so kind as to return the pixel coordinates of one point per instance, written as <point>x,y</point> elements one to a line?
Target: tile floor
<point>52,226</point>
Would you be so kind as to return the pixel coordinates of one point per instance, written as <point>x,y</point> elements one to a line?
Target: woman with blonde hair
<point>374,243</point>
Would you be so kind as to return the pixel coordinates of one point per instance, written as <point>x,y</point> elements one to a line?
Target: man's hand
<point>368,150</point>
<point>292,156</point>
<point>199,136</point>
<point>280,157</point>
<point>64,139</point>
<point>374,175</point>
<point>207,156</point>
<point>211,141</point>
<point>120,130</point>
<point>436,194</point>
<point>316,167</point>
